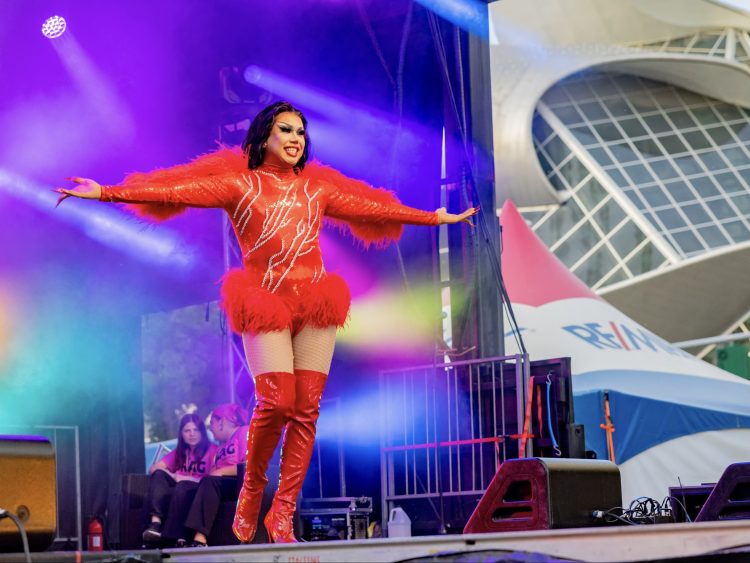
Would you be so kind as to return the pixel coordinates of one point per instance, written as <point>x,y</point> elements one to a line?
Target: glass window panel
<point>663,169</point>
<point>619,178</point>
<point>600,155</point>
<point>713,236</point>
<point>745,175</point>
<point>540,128</point>
<point>560,223</point>
<point>742,202</point>
<point>579,243</point>
<point>627,238</point>
<point>721,45</point>
<point>556,149</point>
<point>593,110</point>
<point>736,156</point>
<point>603,85</point>
<point>697,140</point>
<point>573,171</point>
<point>568,115</point>
<point>713,161</point>
<point>638,174</point>
<point>666,98</point>
<point>648,147</point>
<point>721,209</point>
<point>591,193</point>
<point>738,231</point>
<point>545,162</point>
<point>596,265</point>
<point>680,191</point>
<point>657,123</point>
<point>531,217</point>
<point>671,219</point>
<point>623,152</point>
<point>647,259</point>
<point>655,196</point>
<point>556,95</point>
<point>687,242</point>
<point>737,126</point>
<point>728,112</point>
<point>696,214</point>
<point>681,119</point>
<point>633,127</point>
<point>618,107</point>
<point>636,199</point>
<point>720,135</point>
<point>680,42</point>
<point>618,276</point>
<point>688,165</point>
<point>579,90</point>
<point>705,115</point>
<point>608,131</point>
<point>705,42</point>
<point>609,216</point>
<point>704,186</point>
<point>691,98</point>
<point>558,182</point>
<point>743,134</point>
<point>673,144</point>
<point>584,135</point>
<point>729,182</point>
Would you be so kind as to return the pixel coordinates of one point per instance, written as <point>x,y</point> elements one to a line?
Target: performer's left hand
<point>445,218</point>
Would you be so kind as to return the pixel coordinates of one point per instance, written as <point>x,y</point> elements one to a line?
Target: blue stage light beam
<point>161,247</point>
<point>470,15</point>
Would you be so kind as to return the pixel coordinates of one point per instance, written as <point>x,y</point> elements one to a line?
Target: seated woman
<point>229,425</point>
<point>173,480</point>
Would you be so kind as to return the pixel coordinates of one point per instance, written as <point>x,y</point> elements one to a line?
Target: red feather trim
<point>219,162</point>
<point>251,308</point>
<point>373,232</point>
<point>326,302</point>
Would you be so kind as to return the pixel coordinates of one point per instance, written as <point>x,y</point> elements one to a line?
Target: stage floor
<point>720,541</point>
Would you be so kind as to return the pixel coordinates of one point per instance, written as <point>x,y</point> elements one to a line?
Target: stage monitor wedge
<point>28,489</point>
<point>542,493</point>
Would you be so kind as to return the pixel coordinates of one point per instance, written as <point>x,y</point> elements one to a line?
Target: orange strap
<point>527,420</point>
<point>609,428</point>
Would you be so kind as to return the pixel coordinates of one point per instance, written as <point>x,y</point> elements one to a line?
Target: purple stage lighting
<point>54,27</point>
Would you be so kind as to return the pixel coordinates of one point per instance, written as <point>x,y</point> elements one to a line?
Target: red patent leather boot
<point>274,405</point>
<point>296,451</point>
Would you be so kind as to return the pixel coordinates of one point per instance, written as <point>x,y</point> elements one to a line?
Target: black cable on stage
<point>460,118</point>
<point>8,514</point>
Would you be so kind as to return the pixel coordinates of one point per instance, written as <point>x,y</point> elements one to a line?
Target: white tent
<point>677,419</point>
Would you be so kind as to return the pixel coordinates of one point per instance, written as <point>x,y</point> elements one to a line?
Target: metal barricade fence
<point>445,429</point>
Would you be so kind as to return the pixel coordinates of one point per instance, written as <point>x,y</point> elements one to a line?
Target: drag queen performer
<point>282,302</point>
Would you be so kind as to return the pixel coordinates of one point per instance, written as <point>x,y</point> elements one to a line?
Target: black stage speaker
<point>730,498</point>
<point>28,490</point>
<point>541,493</point>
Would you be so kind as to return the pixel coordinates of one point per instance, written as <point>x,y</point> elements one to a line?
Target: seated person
<point>173,480</point>
<point>229,426</point>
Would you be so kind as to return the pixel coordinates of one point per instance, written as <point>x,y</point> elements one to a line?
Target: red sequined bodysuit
<point>277,216</point>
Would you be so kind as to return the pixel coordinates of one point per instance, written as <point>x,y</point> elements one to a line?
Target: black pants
<point>211,492</point>
<point>170,500</point>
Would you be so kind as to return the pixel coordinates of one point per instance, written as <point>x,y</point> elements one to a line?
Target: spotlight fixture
<point>54,27</point>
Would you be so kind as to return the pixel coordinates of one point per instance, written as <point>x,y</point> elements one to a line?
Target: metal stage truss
<point>445,429</point>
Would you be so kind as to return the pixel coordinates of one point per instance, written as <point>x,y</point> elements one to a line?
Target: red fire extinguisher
<point>95,532</point>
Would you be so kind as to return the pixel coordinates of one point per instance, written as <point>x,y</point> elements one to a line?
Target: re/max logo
<point>617,336</point>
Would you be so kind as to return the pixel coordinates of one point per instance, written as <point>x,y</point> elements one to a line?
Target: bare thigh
<point>269,352</point>
<point>313,348</point>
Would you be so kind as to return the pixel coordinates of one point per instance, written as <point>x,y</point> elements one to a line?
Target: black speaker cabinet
<point>28,490</point>
<point>540,493</point>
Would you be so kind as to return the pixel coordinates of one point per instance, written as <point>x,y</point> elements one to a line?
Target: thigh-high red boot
<point>274,405</point>
<point>296,451</point>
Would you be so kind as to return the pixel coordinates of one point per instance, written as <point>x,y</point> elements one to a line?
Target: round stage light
<point>54,27</point>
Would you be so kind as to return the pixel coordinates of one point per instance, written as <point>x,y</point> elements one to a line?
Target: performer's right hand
<point>86,189</point>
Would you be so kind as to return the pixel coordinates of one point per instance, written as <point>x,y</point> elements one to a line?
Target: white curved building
<point>622,131</point>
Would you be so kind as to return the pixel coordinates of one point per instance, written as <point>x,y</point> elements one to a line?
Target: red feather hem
<point>250,308</point>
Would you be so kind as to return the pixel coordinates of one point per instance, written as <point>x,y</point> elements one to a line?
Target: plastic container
<point>399,524</point>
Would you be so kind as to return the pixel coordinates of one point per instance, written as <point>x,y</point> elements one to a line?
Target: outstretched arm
<point>211,180</point>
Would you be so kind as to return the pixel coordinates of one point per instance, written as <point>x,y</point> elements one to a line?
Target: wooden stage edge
<point>609,544</point>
